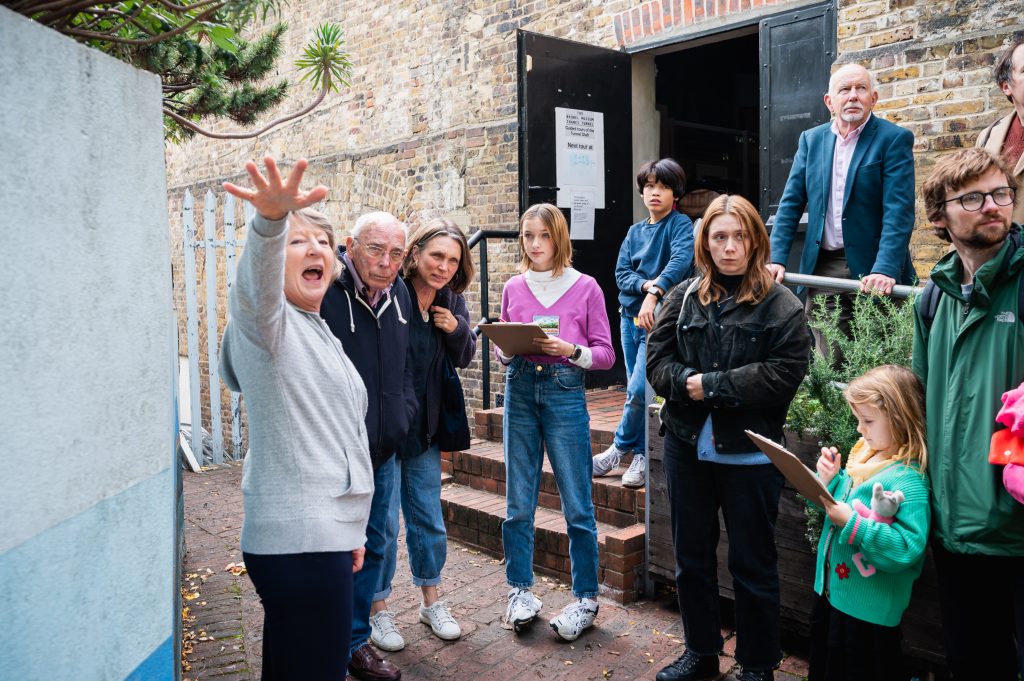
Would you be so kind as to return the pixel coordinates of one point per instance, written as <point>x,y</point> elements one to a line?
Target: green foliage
<point>325,56</point>
<point>881,332</point>
<point>207,70</point>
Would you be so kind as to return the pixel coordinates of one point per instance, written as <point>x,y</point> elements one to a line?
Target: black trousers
<point>844,648</point>
<point>748,497</point>
<point>307,613</point>
<point>982,602</point>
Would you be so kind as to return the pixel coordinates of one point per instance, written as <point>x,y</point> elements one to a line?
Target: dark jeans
<point>307,613</point>
<point>982,603</point>
<point>366,580</point>
<point>844,648</point>
<point>831,264</point>
<point>749,499</point>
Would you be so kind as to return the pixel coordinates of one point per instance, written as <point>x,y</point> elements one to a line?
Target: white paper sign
<point>579,154</point>
<point>582,216</point>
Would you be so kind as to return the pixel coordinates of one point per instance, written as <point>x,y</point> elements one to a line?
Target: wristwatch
<point>577,352</point>
<point>655,291</point>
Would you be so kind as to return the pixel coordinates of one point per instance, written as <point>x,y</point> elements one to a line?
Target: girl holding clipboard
<point>546,409</point>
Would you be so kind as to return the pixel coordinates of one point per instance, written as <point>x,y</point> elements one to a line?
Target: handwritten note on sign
<point>579,154</point>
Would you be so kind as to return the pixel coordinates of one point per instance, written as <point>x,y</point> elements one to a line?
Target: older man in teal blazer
<point>855,178</point>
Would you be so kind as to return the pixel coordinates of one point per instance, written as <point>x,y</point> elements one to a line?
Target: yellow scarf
<point>857,466</point>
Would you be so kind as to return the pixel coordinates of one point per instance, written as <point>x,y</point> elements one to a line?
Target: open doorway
<point>708,101</point>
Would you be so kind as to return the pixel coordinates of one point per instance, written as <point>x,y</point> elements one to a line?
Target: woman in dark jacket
<point>727,353</point>
<point>436,270</point>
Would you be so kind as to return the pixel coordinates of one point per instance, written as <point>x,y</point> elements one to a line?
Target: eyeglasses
<point>377,252</point>
<point>1001,196</point>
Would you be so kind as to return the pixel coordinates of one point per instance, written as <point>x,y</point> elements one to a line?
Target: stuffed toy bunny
<point>883,505</point>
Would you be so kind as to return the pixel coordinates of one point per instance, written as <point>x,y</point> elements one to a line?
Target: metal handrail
<point>898,291</point>
<point>480,237</point>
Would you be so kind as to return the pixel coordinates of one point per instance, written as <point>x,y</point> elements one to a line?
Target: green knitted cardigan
<point>867,568</point>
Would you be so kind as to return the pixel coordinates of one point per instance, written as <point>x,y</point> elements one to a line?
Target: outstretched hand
<point>273,198</point>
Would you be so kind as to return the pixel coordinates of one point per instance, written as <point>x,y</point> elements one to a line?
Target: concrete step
<point>483,468</point>
<point>474,517</point>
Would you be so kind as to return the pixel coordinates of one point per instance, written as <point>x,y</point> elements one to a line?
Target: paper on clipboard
<point>799,475</point>
<point>514,338</point>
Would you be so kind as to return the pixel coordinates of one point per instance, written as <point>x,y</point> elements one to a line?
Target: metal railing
<point>791,279</point>
<point>480,237</point>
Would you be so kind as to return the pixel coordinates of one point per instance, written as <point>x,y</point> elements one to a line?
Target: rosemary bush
<point>881,332</point>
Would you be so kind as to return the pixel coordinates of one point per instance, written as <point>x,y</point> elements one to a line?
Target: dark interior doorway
<point>708,98</point>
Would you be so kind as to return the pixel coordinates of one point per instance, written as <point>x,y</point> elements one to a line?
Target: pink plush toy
<point>1007,446</point>
<point>883,505</point>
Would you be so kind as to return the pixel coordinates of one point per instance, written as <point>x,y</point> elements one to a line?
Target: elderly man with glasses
<point>369,315</point>
<point>968,351</point>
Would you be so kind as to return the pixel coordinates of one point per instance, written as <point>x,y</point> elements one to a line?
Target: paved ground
<point>224,618</point>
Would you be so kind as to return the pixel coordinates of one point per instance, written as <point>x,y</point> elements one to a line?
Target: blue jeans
<point>749,499</point>
<point>546,407</point>
<point>418,492</point>
<point>364,583</point>
<point>632,428</point>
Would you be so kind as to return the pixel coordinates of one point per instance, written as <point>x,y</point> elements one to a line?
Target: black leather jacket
<point>752,358</point>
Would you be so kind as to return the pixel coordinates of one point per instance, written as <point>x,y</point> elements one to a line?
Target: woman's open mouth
<point>313,273</point>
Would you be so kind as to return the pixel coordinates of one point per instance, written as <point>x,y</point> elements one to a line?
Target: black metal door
<point>560,73</point>
<point>797,51</point>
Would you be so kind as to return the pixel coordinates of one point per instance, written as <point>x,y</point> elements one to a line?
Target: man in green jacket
<point>971,352</point>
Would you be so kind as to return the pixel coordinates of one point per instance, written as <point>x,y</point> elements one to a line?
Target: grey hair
<point>377,219</point>
<point>840,64</point>
<point>317,219</point>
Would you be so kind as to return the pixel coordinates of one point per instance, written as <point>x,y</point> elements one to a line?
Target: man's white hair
<point>379,219</point>
<point>839,65</point>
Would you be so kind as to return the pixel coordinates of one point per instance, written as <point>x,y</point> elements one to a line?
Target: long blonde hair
<point>757,280</point>
<point>896,392</point>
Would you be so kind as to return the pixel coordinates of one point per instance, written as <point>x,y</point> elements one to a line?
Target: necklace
<point>425,314</point>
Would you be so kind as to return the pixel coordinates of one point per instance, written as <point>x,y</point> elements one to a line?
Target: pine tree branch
<point>147,41</point>
<point>185,123</point>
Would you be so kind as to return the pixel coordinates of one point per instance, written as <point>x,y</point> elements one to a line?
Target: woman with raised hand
<point>307,481</point>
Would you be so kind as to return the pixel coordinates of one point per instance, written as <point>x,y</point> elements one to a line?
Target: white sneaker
<point>440,619</point>
<point>636,474</point>
<point>523,608</point>
<point>575,618</point>
<point>607,461</point>
<point>383,632</point>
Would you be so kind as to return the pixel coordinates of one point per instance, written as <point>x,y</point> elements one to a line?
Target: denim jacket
<point>752,358</point>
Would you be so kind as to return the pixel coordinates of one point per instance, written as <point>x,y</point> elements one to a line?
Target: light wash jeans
<point>417,491</point>
<point>545,406</point>
<point>630,433</point>
<point>365,581</point>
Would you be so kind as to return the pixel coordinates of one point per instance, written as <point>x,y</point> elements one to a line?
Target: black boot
<point>691,667</point>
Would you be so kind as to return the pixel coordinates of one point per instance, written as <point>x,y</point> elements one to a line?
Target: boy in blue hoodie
<point>655,256</point>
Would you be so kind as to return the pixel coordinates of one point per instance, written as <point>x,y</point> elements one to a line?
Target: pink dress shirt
<point>832,234</point>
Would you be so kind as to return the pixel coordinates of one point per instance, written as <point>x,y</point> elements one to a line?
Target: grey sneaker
<point>383,632</point>
<point>575,618</point>
<point>439,617</point>
<point>607,461</point>
<point>636,474</point>
<point>523,608</point>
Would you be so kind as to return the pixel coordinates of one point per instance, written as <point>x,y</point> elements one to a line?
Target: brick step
<point>483,468</point>
<point>474,517</point>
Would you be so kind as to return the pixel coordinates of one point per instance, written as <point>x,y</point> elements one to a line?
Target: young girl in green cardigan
<point>873,541</point>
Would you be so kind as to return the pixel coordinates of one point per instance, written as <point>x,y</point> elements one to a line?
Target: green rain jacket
<point>971,355</point>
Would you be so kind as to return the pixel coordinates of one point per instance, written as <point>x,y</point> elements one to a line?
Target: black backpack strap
<point>928,303</point>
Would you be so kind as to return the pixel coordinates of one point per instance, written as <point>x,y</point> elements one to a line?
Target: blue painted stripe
<point>158,666</point>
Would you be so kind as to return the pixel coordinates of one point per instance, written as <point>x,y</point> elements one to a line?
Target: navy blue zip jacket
<point>377,341</point>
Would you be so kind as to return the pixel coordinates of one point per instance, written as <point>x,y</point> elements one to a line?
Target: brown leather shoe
<point>367,665</point>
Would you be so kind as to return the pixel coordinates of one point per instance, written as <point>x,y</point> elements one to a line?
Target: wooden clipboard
<point>799,475</point>
<point>514,338</point>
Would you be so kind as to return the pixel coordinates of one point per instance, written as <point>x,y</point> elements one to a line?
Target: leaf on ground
<point>568,663</point>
